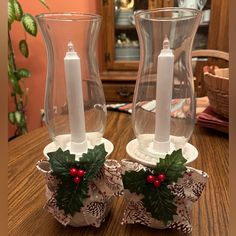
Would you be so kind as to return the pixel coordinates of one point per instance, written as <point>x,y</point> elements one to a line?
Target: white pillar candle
<point>75,101</point>
<point>165,69</point>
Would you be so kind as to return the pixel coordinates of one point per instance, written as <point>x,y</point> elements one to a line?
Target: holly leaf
<point>29,24</point>
<point>172,165</point>
<point>92,161</point>
<point>23,46</point>
<point>61,162</point>
<point>18,10</point>
<point>160,203</point>
<point>70,196</point>
<point>135,181</point>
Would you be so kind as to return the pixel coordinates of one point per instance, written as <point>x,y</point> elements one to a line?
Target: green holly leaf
<point>135,181</point>
<point>24,73</point>
<point>29,24</point>
<point>159,202</point>
<point>18,10</point>
<point>11,12</point>
<point>92,161</point>
<point>70,196</point>
<point>172,165</point>
<point>23,46</point>
<point>61,162</point>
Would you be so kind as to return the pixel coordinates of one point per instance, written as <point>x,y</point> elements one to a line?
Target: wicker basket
<point>217,85</point>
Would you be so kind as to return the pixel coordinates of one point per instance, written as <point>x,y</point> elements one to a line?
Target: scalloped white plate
<point>52,147</point>
<point>190,153</point>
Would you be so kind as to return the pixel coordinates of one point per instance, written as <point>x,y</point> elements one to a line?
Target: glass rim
<point>68,16</point>
<point>195,13</point>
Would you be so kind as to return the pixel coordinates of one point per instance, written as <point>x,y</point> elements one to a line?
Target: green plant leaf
<point>44,3</point>
<point>18,10</point>
<point>29,24</point>
<point>11,12</point>
<point>11,117</point>
<point>172,165</point>
<point>160,203</point>
<point>92,161</point>
<point>24,73</point>
<point>10,72</point>
<point>16,76</point>
<point>61,162</point>
<point>135,181</point>
<point>16,86</point>
<point>18,117</point>
<point>70,195</point>
<point>20,120</point>
<point>23,46</point>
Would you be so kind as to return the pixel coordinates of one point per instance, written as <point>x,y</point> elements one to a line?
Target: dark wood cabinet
<point>119,70</point>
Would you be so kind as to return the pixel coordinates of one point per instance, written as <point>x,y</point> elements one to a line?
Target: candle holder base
<point>150,205</point>
<point>89,200</point>
<point>190,153</point>
<point>52,147</point>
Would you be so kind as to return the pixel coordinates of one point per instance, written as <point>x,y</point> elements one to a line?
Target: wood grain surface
<point>26,193</point>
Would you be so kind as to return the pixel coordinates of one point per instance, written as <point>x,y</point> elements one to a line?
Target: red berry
<point>77,179</point>
<point>73,171</point>
<point>80,173</point>
<point>157,183</point>
<point>150,178</point>
<point>161,177</point>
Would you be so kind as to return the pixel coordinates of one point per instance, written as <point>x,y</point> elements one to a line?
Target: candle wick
<point>71,47</point>
<point>166,43</point>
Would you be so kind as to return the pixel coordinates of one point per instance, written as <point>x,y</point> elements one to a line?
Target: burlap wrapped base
<point>102,190</point>
<point>187,190</point>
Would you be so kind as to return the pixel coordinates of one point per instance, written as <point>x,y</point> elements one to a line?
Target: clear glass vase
<point>164,100</point>
<point>74,100</point>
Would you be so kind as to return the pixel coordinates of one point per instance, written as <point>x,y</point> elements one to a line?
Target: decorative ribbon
<point>102,190</point>
<point>187,190</point>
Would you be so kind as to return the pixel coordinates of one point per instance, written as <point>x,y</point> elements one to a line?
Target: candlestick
<point>165,70</point>
<point>75,101</point>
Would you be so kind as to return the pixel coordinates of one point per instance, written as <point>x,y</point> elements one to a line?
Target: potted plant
<point>16,76</point>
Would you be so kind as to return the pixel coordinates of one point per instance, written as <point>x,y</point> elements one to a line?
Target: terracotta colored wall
<point>37,60</point>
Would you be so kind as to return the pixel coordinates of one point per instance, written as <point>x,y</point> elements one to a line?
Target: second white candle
<point>165,67</point>
<point>75,101</point>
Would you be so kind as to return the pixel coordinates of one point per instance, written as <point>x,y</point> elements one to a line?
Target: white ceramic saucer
<point>190,153</point>
<point>52,147</point>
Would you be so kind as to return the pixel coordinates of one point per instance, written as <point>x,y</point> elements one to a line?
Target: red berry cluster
<point>156,180</point>
<point>78,174</point>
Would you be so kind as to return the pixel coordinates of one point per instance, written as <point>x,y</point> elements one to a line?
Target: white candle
<point>165,68</point>
<point>75,101</point>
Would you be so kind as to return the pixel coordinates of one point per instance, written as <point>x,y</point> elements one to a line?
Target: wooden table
<point>27,193</point>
